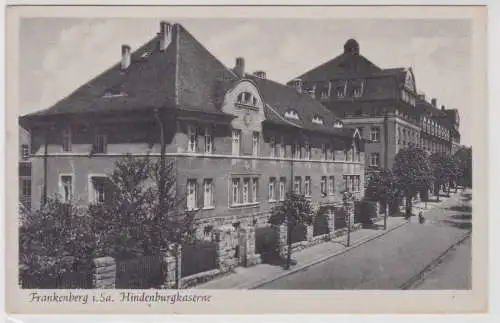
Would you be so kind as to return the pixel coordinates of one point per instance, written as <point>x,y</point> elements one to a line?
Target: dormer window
<point>114,94</point>
<point>318,120</point>
<point>292,114</point>
<point>145,54</point>
<point>246,98</point>
<point>338,124</point>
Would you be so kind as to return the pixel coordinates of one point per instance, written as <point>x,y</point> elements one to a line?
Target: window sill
<point>247,106</point>
<point>253,204</point>
<point>208,208</point>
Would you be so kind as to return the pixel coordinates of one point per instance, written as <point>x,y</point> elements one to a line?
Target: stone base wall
<point>104,275</point>
<point>200,278</point>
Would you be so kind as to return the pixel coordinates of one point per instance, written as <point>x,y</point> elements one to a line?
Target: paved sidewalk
<point>247,278</point>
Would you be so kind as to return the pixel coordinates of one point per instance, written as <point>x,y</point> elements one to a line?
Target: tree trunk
<point>408,207</point>
<point>385,216</point>
<point>289,244</point>
<point>448,191</point>
<point>436,191</point>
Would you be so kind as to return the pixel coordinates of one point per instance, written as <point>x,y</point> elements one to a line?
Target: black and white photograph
<point>244,153</point>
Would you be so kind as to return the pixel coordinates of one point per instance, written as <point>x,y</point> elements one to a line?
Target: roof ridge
<point>209,53</point>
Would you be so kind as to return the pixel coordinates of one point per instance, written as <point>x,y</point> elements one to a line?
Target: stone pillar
<point>247,247</point>
<point>104,275</point>
<point>331,222</point>
<point>309,233</point>
<point>226,247</point>
<point>282,232</point>
<point>171,268</point>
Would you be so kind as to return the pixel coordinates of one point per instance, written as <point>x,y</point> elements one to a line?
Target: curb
<point>320,260</point>
<point>418,278</point>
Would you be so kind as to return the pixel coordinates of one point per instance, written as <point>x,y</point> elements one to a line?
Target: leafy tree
<point>382,188</point>
<point>412,171</point>
<point>145,214</point>
<point>293,211</point>
<point>439,171</point>
<point>444,170</point>
<point>464,159</point>
<point>52,239</point>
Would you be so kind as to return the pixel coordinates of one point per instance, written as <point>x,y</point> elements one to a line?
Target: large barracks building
<point>239,141</point>
<point>383,104</point>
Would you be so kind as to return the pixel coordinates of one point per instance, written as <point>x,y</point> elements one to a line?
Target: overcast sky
<point>58,55</point>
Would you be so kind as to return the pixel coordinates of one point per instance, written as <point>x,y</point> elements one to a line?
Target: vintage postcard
<point>241,159</point>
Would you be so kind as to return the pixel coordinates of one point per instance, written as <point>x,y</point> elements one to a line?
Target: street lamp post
<point>347,196</point>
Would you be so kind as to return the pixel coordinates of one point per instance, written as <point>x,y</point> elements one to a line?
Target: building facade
<point>383,104</point>
<point>24,169</point>
<point>238,141</point>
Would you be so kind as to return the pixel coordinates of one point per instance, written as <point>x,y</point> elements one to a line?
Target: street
<point>392,260</point>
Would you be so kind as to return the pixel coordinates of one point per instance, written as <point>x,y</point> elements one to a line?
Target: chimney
<point>434,102</point>
<point>260,74</point>
<point>297,84</point>
<point>442,108</point>
<point>239,68</point>
<point>165,35</point>
<point>125,57</point>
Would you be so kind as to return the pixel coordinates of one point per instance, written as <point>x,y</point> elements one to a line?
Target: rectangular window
<point>246,190</point>
<point>282,148</point>
<point>282,188</point>
<point>25,153</point>
<point>255,185</point>
<point>331,185</point>
<point>98,193</point>
<point>296,150</point>
<point>346,185</point>
<point>297,183</point>
<point>353,184</point>
<point>209,141</point>
<point>100,145</point>
<point>307,151</point>
<point>358,183</point>
<point>236,142</point>
<point>66,188</point>
<point>307,186</point>
<point>208,193</point>
<point>272,189</point>
<point>255,143</point>
<point>375,134</point>
<point>375,159</point>
<point>332,153</point>
<point>324,152</point>
<point>66,140</point>
<point>323,185</point>
<point>192,139</point>
<point>235,191</point>
<point>272,146</point>
<point>191,194</point>
<point>26,189</point>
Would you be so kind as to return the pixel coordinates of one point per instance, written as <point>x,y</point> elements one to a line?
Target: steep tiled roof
<point>343,66</point>
<point>150,81</point>
<point>429,109</point>
<point>281,98</point>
